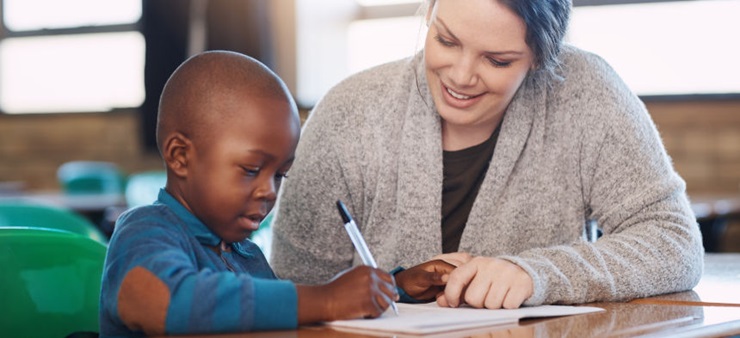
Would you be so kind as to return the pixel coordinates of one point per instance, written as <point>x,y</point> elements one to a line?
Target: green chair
<point>91,177</point>
<point>142,188</point>
<point>50,282</point>
<point>26,214</point>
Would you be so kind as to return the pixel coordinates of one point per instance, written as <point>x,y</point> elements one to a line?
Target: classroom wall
<point>702,137</point>
<point>32,147</point>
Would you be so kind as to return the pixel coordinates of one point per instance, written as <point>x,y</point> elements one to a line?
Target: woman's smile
<point>458,99</point>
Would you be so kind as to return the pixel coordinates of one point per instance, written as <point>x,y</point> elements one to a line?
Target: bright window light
<point>22,15</point>
<point>666,48</point>
<point>377,41</point>
<point>71,73</point>
<point>385,2</point>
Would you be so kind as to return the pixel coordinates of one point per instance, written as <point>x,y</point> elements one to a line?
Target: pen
<point>359,242</point>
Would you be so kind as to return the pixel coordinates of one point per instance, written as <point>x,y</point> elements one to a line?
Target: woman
<point>497,146</point>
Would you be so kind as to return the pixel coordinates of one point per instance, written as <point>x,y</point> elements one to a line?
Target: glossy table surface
<point>719,286</point>
<point>712,309</point>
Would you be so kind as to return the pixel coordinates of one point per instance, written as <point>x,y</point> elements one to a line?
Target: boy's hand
<point>359,292</point>
<point>424,281</point>
<point>486,282</point>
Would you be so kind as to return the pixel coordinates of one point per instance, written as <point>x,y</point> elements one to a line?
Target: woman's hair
<point>547,22</point>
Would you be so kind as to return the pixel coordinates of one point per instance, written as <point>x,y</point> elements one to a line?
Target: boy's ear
<point>176,153</point>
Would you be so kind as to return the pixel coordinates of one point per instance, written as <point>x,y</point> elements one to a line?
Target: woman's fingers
<point>487,282</point>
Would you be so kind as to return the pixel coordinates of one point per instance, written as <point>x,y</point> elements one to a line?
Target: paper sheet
<point>430,318</point>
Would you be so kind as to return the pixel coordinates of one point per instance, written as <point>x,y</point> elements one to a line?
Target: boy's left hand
<point>424,281</point>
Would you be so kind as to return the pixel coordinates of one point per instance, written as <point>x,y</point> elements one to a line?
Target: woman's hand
<point>359,292</point>
<point>455,258</point>
<point>485,282</point>
<point>424,281</point>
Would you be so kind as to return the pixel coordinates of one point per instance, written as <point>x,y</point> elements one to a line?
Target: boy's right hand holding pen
<point>366,292</point>
<point>359,292</point>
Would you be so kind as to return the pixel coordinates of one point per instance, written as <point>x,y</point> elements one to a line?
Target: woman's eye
<point>497,63</point>
<point>443,41</point>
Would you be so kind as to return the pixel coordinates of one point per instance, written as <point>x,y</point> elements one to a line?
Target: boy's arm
<point>204,302</point>
<point>152,284</point>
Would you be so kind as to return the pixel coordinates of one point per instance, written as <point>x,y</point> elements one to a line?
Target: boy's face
<point>236,169</point>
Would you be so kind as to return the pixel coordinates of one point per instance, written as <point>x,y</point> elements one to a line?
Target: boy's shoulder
<point>148,220</point>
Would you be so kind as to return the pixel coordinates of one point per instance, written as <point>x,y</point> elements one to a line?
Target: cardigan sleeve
<point>651,242</point>
<point>310,244</point>
<point>346,152</point>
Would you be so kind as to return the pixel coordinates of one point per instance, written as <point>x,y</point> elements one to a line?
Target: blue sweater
<point>165,274</point>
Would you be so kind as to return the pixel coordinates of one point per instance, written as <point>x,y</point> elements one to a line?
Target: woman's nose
<point>463,71</point>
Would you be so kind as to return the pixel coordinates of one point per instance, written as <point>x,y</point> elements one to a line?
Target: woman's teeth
<point>457,95</point>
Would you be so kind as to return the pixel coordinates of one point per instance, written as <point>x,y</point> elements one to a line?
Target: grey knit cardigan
<point>572,150</point>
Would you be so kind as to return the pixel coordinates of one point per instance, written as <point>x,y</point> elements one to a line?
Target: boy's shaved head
<point>191,95</point>
<point>227,130</point>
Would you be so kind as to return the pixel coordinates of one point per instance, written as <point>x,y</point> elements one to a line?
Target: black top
<point>464,171</point>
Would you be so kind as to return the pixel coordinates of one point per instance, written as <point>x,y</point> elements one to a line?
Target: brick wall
<point>703,139</point>
<point>32,147</point>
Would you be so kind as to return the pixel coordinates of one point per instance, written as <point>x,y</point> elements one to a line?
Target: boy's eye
<point>251,171</point>
<point>280,176</point>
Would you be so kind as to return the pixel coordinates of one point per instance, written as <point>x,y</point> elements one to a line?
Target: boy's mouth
<point>253,221</point>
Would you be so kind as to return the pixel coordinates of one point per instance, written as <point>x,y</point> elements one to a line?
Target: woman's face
<point>476,58</point>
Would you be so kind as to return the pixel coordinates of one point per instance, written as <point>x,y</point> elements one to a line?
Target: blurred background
<point>80,79</point>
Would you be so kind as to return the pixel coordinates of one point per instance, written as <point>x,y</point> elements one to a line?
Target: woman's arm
<point>310,244</point>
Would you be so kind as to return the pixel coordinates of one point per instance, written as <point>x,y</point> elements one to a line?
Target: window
<point>70,56</point>
<point>659,47</point>
<point>665,48</point>
<point>336,38</point>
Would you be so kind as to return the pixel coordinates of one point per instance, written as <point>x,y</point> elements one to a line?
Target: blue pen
<point>359,242</point>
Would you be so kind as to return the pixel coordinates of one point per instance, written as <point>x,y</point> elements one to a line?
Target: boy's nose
<point>267,190</point>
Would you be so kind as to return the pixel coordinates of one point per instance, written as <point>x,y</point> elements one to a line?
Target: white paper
<point>430,318</point>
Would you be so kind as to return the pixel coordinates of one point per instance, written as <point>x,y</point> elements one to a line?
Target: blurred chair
<point>26,214</point>
<point>142,188</point>
<point>102,180</point>
<point>50,282</point>
<point>91,177</point>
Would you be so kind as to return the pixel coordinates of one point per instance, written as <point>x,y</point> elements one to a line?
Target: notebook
<point>423,319</point>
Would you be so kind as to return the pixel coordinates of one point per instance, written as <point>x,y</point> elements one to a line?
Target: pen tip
<point>343,212</point>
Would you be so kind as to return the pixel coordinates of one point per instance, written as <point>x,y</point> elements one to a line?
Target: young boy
<point>227,130</point>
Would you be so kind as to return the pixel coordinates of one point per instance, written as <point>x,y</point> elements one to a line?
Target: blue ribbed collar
<point>200,231</point>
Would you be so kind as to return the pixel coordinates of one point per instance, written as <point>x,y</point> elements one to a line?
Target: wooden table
<point>712,309</point>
